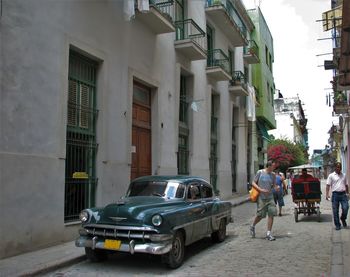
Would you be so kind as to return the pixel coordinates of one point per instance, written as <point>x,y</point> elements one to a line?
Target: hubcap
<point>176,247</point>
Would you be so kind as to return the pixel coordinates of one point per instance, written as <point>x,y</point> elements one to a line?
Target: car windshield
<point>168,190</point>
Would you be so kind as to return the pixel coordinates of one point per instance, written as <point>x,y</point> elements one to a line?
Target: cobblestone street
<point>300,249</point>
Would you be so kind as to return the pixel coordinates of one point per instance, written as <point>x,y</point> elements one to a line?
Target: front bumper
<point>132,246</point>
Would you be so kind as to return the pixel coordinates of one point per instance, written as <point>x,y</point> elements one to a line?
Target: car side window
<point>207,191</point>
<point>180,191</point>
<point>174,190</point>
<point>193,192</point>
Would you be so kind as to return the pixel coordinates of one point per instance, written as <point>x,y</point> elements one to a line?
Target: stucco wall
<point>36,38</point>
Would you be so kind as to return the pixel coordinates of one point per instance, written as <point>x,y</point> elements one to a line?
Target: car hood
<point>135,210</point>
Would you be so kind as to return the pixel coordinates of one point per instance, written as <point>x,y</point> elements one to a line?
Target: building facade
<point>96,93</point>
<point>291,120</point>
<point>264,85</point>
<point>337,22</point>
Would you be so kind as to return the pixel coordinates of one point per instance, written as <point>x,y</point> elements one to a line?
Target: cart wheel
<point>318,212</point>
<point>296,214</point>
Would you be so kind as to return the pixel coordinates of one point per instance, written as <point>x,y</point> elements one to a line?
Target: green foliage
<point>339,97</point>
<point>286,153</point>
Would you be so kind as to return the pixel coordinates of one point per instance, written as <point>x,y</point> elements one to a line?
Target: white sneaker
<point>270,237</point>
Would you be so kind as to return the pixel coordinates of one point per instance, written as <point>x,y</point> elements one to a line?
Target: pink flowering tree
<point>286,153</point>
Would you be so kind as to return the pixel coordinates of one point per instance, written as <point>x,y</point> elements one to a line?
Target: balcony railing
<point>217,57</point>
<point>234,15</point>
<point>225,16</point>
<point>218,65</point>
<point>190,40</point>
<point>340,105</point>
<point>257,95</point>
<point>251,52</point>
<point>238,78</point>
<point>164,6</point>
<point>238,84</point>
<point>160,16</point>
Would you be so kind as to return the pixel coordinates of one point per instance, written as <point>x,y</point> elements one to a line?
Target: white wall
<point>35,41</point>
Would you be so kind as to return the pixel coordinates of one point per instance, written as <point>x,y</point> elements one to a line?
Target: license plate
<point>112,244</point>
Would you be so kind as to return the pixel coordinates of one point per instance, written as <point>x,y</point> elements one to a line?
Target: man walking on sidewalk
<point>336,181</point>
<point>264,181</point>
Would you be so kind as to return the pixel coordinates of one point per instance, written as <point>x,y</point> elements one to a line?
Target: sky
<point>299,45</point>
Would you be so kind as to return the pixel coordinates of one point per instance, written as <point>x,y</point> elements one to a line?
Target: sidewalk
<point>48,259</point>
<point>340,264</point>
<point>41,261</point>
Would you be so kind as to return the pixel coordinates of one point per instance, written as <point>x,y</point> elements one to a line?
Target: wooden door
<point>141,132</point>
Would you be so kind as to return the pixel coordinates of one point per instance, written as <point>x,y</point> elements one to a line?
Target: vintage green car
<point>159,215</point>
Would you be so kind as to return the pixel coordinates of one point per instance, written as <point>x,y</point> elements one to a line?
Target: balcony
<point>340,108</point>
<point>251,53</point>
<point>190,40</point>
<point>227,19</point>
<point>160,16</point>
<point>218,65</point>
<point>340,105</point>
<point>341,82</point>
<point>238,84</point>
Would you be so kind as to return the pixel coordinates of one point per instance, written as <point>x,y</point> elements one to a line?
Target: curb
<point>337,257</point>
<point>54,266</point>
<point>340,252</point>
<point>240,203</point>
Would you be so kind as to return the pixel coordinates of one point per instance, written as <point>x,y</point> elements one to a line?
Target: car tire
<point>220,234</point>
<point>175,257</point>
<point>95,255</point>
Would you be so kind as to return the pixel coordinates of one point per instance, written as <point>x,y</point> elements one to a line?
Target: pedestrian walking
<point>336,182</point>
<point>264,181</point>
<point>284,184</point>
<point>278,194</point>
<point>289,179</point>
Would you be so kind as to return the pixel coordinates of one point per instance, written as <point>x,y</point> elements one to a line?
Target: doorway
<point>141,163</point>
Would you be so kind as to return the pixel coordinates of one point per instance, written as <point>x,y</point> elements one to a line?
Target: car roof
<point>180,178</point>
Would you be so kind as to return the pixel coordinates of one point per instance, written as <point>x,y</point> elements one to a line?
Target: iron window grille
<point>81,146</point>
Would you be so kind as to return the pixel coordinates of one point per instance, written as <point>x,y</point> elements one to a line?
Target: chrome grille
<point>124,232</point>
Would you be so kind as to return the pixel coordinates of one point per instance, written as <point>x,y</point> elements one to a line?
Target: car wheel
<point>175,257</point>
<point>220,235</point>
<point>95,255</point>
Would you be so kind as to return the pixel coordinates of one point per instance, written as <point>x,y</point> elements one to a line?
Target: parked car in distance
<point>159,215</point>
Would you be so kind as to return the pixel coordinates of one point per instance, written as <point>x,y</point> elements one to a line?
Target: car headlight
<point>84,216</point>
<point>157,220</point>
